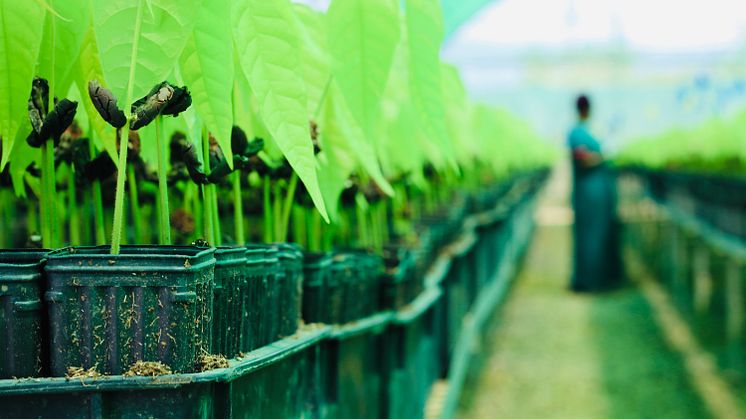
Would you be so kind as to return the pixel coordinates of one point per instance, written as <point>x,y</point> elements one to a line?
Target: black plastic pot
<point>22,314</point>
<point>229,300</point>
<point>150,303</point>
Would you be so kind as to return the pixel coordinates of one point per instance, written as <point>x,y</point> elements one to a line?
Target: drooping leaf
<point>207,68</point>
<point>363,35</point>
<point>65,28</point>
<point>152,42</point>
<point>267,45</point>
<point>343,131</point>
<point>315,58</point>
<point>424,26</point>
<point>20,37</point>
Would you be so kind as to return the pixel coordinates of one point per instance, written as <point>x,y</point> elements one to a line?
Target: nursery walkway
<point>555,354</point>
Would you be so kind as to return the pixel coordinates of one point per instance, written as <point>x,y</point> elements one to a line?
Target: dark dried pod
<point>57,121</point>
<point>38,103</point>
<point>219,171</point>
<point>106,104</point>
<point>149,106</point>
<point>193,165</point>
<point>179,102</point>
<point>165,99</point>
<point>239,142</point>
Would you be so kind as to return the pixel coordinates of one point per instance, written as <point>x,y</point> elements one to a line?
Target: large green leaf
<point>64,30</point>
<point>267,45</point>
<point>20,37</point>
<point>152,44</point>
<point>87,68</point>
<point>315,59</point>
<point>207,68</point>
<point>363,35</point>
<point>424,26</point>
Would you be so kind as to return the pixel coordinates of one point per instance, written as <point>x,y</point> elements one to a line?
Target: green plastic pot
<point>22,314</point>
<point>290,289</point>
<point>231,283</point>
<point>315,281</point>
<point>276,381</point>
<point>261,269</point>
<point>150,303</point>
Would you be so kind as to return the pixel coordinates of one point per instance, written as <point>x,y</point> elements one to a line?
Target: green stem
<point>277,213</point>
<point>116,231</point>
<point>315,239</point>
<point>268,228</point>
<point>300,233</point>
<point>97,205</point>
<point>46,236</point>
<point>52,194</point>
<point>288,206</point>
<point>73,214</point>
<point>238,209</point>
<point>199,217</point>
<point>215,215</point>
<point>137,218</point>
<point>362,226</point>
<point>327,235</point>
<point>5,227</point>
<point>164,224</point>
<point>98,213</point>
<point>209,228</point>
<point>32,224</point>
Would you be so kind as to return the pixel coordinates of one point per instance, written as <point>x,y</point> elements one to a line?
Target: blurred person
<point>596,263</point>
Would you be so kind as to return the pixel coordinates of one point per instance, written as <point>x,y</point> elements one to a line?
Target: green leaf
<point>207,68</point>
<point>64,30</point>
<point>154,49</point>
<point>363,35</point>
<point>23,156</point>
<point>20,38</point>
<point>268,50</point>
<point>343,131</point>
<point>424,26</point>
<point>315,59</point>
<point>87,68</point>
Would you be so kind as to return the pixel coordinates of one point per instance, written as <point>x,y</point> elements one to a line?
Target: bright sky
<point>667,25</point>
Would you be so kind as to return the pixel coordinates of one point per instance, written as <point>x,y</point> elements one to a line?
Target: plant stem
<point>51,194</point>
<point>209,228</point>
<point>46,236</point>
<point>362,226</point>
<point>288,206</point>
<point>73,210</point>
<point>268,228</point>
<point>199,217</point>
<point>215,215</point>
<point>277,205</point>
<point>164,224</point>
<point>98,213</point>
<point>300,233</point>
<point>116,232</point>
<point>238,209</point>
<point>32,224</point>
<point>135,206</point>
<point>315,239</point>
<point>97,206</point>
